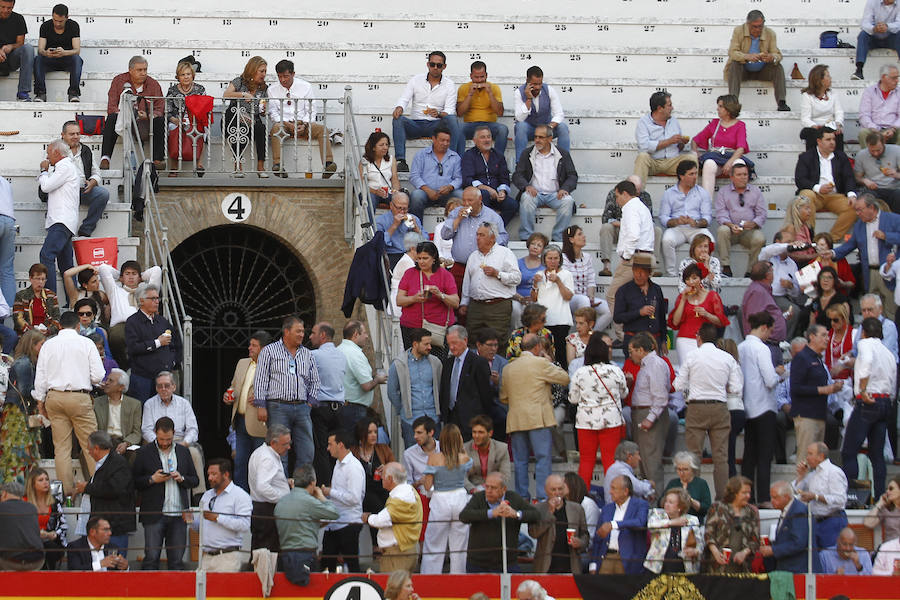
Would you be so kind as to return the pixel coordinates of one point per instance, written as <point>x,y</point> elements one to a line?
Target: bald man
<point>556,552</point>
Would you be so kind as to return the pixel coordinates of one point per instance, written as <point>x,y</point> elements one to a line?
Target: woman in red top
<point>51,519</point>
<point>427,292</point>
<point>694,307</point>
<point>840,341</point>
<point>801,218</point>
<point>824,244</point>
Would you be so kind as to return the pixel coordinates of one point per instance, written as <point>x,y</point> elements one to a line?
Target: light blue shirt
<point>464,236</point>
<point>421,388</point>
<point>234,508</point>
<point>446,479</point>
<point>831,562</point>
<point>696,204</point>
<point>359,371</point>
<point>888,336</point>
<point>754,49</point>
<point>394,243</point>
<point>649,134</point>
<point>331,364</point>
<point>425,170</point>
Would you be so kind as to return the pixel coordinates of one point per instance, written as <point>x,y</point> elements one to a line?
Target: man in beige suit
<point>526,389</point>
<point>556,552</point>
<point>249,431</point>
<point>118,414</point>
<point>488,455</point>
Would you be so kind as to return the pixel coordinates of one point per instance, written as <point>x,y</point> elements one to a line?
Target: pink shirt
<point>733,137</point>
<point>435,310</point>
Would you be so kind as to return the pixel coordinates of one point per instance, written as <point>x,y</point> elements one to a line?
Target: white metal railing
<point>156,240</point>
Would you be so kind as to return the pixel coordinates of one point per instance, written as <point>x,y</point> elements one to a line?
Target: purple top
<point>729,209</point>
<point>733,137</point>
<point>876,112</point>
<point>759,298</point>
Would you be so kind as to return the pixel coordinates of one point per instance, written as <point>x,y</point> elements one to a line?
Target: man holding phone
<point>59,49</point>
<point>538,104</point>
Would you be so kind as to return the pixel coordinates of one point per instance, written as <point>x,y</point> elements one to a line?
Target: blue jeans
<point>169,530</point>
<point>499,132</point>
<point>405,128</point>
<point>506,209</point>
<point>57,250</point>
<point>22,58</point>
<point>7,258</point>
<point>867,422</point>
<point>96,200</point>
<point>297,566</point>
<point>72,64</point>
<point>418,200</point>
<point>827,530</point>
<point>350,414</point>
<point>541,443</point>
<point>141,388</point>
<point>529,204</point>
<point>9,339</point>
<point>864,42</point>
<point>524,133</point>
<point>244,446</point>
<point>295,417</point>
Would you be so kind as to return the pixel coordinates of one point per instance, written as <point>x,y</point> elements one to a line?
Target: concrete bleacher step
<point>24,182</point>
<point>115,221</point>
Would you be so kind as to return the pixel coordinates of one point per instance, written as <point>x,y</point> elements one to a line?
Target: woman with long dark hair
<point>580,263</point>
<point>427,293</point>
<point>820,106</point>
<point>378,169</point>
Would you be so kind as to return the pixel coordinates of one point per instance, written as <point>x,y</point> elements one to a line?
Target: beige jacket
<point>255,427</point>
<point>739,47</point>
<point>526,389</point>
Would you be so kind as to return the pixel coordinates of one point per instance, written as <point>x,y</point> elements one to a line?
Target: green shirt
<point>358,372</point>
<point>699,491</point>
<point>297,517</point>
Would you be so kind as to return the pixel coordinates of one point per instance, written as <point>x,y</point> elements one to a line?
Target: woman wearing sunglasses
<point>86,309</point>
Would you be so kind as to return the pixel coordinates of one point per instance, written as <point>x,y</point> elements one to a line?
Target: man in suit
<point>485,513</point>
<point>95,552</point>
<point>620,545</point>
<point>119,415</point>
<point>465,383</point>
<point>788,551</point>
<point>111,489</point>
<point>151,346</point>
<point>825,177</point>
<point>555,552</point>
<point>249,431</point>
<point>885,237</point>
<point>488,455</point>
<point>160,484</point>
<point>526,389</point>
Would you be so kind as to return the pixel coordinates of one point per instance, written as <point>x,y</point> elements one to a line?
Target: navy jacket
<point>789,548</point>
<point>808,372</point>
<point>140,339</point>
<point>112,494</point>
<point>146,463</point>
<point>632,535</point>
<point>473,168</point>
<point>79,555</point>
<point>806,173</point>
<point>889,223</point>
<point>365,280</point>
<point>473,396</point>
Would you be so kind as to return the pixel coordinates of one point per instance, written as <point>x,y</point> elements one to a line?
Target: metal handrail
<point>156,236</point>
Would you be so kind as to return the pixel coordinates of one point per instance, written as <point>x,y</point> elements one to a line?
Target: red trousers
<point>588,442</point>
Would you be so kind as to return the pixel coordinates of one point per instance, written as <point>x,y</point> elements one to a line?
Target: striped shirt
<point>282,376</point>
<point>583,272</point>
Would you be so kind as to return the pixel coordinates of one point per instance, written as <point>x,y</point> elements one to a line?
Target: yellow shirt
<point>480,107</point>
<point>245,389</point>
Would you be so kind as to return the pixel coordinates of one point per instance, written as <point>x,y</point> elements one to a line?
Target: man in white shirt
<point>707,377</point>
<point>62,189</point>
<point>268,485</point>
<point>545,176</point>
<point>760,407</point>
<point>431,98</point>
<point>492,274</point>
<point>874,387</point>
<point>415,458</point>
<point>121,288</point>
<point>227,511</point>
<point>91,190</point>
<point>785,288</point>
<point>293,114</point>
<point>68,367</point>
<point>823,486</point>
<point>398,541</point>
<point>348,485</point>
<point>636,234</point>
<point>538,104</point>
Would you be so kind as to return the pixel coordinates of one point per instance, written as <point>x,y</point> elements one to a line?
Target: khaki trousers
<point>393,559</point>
<point>70,411</point>
<point>319,135</point>
<point>878,286</point>
<point>228,562</point>
<point>609,237</point>
<point>651,444</point>
<point>773,72</point>
<point>838,204</point>
<point>751,239</point>
<point>808,431</point>
<point>495,315</point>
<point>621,276</point>
<point>713,420</point>
<point>645,165</point>
<point>612,565</point>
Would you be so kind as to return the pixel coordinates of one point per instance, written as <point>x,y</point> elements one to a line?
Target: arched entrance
<point>234,280</point>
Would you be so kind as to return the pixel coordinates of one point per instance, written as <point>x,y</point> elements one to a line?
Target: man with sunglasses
<point>741,213</point>
<point>431,98</point>
<point>150,343</point>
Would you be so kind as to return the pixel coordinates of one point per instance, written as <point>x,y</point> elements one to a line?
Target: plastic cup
<point>727,553</point>
<point>570,536</point>
<point>765,540</point>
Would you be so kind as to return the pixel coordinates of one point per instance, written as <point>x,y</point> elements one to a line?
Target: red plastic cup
<point>376,476</point>
<point>570,536</point>
<point>727,553</point>
<point>765,540</point>
<point>230,393</point>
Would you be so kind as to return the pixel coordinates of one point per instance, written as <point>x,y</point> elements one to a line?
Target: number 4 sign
<point>355,588</point>
<point>236,207</point>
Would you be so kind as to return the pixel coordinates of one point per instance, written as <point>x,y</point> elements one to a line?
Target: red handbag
<point>185,150</point>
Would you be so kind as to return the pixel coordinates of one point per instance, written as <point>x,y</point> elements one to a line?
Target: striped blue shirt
<point>283,376</point>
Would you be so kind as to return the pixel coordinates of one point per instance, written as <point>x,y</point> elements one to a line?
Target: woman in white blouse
<point>597,389</point>
<point>379,169</point>
<point>580,263</point>
<point>552,288</point>
<point>820,106</point>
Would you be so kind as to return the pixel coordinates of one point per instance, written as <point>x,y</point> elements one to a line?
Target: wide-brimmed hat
<point>642,259</point>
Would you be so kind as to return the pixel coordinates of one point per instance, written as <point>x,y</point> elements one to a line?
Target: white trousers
<point>604,315</point>
<point>445,528</point>
<point>674,237</point>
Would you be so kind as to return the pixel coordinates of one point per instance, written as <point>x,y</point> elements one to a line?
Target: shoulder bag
<point>438,332</point>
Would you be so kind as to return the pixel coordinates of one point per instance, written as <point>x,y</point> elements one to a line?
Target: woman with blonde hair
<point>244,116</point>
<point>445,475</point>
<point>176,111</point>
<point>400,587</point>
<point>21,437</point>
<point>675,537</point>
<point>801,217</point>
<point>51,518</point>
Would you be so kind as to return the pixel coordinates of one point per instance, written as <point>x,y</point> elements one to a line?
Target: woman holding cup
<point>732,530</point>
<point>675,537</point>
<point>552,288</point>
<point>694,307</point>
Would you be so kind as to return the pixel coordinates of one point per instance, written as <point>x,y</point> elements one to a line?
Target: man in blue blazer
<point>620,545</point>
<point>788,551</point>
<point>886,236</point>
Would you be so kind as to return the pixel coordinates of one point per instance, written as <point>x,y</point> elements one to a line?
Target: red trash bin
<point>97,251</point>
